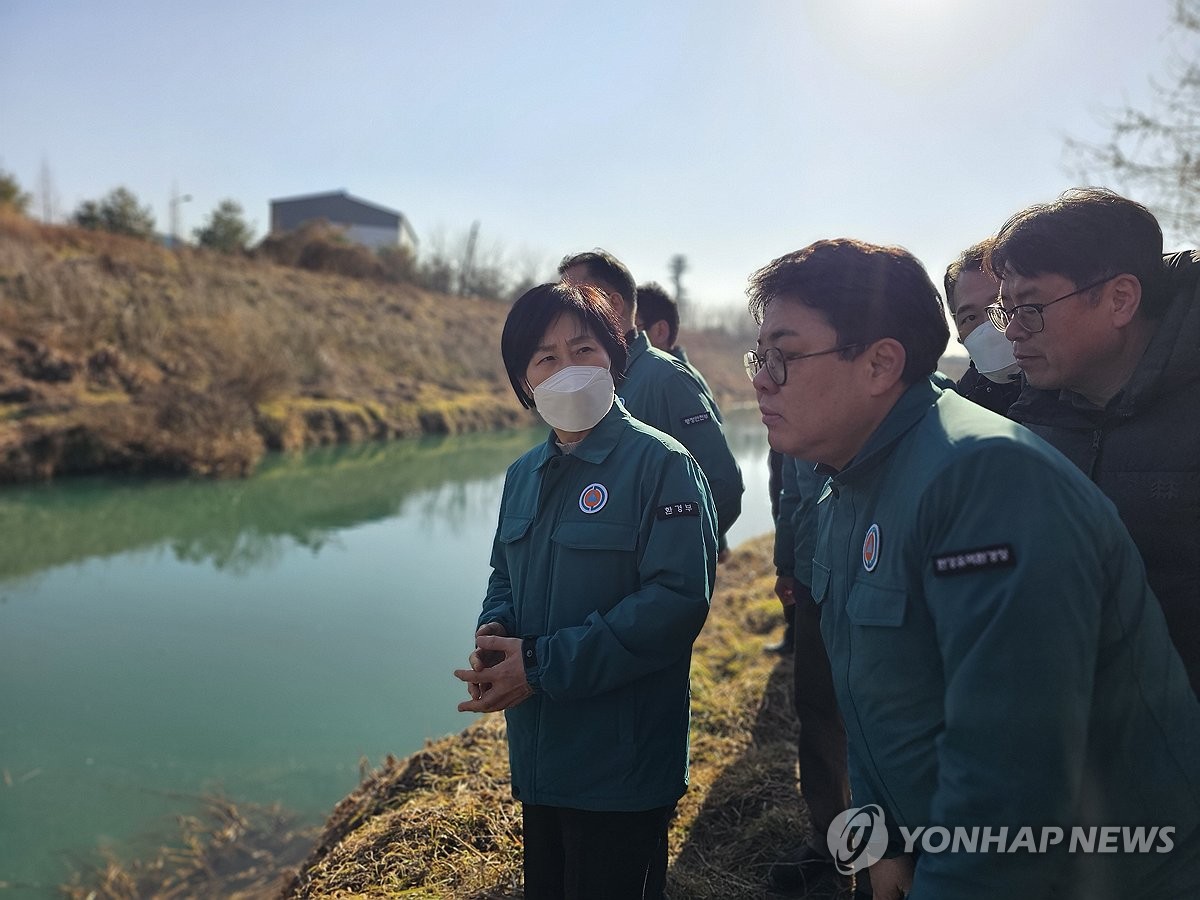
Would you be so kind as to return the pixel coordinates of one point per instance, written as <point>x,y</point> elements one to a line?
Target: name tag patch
<point>675,510</point>
<point>696,419</point>
<point>960,562</point>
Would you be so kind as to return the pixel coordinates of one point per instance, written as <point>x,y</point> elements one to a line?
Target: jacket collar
<point>910,409</point>
<point>594,448</point>
<point>1172,357</point>
<point>639,344</point>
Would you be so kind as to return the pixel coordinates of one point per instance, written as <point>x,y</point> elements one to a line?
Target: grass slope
<point>442,823</point>
<point>118,354</point>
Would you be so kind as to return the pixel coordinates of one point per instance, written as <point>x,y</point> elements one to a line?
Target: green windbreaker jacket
<point>607,557</point>
<point>999,659</point>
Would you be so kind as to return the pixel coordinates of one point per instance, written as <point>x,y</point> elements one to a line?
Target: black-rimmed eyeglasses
<point>775,361</point>
<point>1029,315</point>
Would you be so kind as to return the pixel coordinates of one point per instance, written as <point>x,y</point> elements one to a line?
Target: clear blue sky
<point>729,132</point>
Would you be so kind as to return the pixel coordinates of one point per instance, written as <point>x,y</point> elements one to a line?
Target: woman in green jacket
<point>603,567</point>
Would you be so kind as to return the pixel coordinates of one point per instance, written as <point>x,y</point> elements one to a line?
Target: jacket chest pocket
<point>514,528</point>
<point>876,606</point>
<point>596,536</point>
<point>880,668</point>
<point>595,566</point>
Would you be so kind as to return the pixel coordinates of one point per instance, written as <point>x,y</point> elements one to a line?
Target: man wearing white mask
<point>993,379</point>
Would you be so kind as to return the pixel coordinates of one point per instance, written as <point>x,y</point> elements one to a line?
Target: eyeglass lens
<point>771,359</point>
<point>1028,317</point>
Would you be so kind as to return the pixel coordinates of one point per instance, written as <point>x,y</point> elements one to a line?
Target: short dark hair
<point>655,305</point>
<point>970,260</point>
<point>1084,235</point>
<point>866,292</point>
<point>605,268</point>
<point>538,308</point>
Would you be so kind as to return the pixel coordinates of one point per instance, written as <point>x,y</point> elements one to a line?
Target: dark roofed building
<point>366,223</point>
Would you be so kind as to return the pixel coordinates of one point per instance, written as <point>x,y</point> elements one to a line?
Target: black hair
<point>970,260</point>
<point>609,271</point>
<point>866,292</point>
<point>537,309</point>
<point>655,305</point>
<point>1084,235</point>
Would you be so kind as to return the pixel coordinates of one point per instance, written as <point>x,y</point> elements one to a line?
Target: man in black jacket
<point>1107,333</point>
<point>992,379</point>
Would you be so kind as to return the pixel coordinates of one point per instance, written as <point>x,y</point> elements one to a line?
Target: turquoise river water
<point>164,639</point>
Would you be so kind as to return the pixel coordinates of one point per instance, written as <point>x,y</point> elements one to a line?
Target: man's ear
<point>883,362</point>
<point>659,332</point>
<point>1124,299</point>
<point>617,302</point>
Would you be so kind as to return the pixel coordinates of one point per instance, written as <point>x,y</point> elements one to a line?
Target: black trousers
<point>578,854</point>
<point>824,779</point>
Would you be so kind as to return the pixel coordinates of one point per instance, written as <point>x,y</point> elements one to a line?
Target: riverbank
<point>441,823</point>
<point>119,355</point>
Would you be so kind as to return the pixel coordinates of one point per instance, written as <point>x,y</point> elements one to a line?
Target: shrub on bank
<point>319,246</point>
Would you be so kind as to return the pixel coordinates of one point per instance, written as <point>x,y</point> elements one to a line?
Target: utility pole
<point>468,263</point>
<point>176,202</point>
<point>677,265</point>
<point>46,192</point>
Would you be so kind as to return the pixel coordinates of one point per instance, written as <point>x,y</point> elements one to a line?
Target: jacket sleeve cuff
<point>533,667</point>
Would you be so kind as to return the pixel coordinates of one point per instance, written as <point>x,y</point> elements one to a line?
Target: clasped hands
<point>496,679</point>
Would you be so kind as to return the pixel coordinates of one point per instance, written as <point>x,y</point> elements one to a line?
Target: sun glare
<point>912,43</point>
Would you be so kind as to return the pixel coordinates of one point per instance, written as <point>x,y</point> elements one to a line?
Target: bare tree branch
<point>1155,152</point>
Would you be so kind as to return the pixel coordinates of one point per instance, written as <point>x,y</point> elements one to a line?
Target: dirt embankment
<point>121,355</point>
<point>442,823</point>
<point>116,354</point>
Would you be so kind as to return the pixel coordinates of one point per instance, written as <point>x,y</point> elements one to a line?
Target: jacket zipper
<point>1094,461</point>
<point>562,505</point>
<point>884,790</point>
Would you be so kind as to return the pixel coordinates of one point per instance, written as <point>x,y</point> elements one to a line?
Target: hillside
<point>121,355</point>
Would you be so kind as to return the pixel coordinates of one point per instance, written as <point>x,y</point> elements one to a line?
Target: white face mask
<point>575,398</point>
<point>992,354</point>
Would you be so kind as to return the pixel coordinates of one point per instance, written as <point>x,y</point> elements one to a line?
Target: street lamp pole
<point>176,200</point>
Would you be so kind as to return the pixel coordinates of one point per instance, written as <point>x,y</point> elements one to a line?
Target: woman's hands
<point>496,679</point>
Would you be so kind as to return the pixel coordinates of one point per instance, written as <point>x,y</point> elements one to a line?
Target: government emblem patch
<point>871,548</point>
<point>593,498</point>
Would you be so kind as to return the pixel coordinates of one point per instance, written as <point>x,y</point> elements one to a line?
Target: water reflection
<point>241,525</point>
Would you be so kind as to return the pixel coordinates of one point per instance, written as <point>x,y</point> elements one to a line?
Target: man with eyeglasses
<point>992,379</point>
<point>999,660</point>
<point>821,742</point>
<point>1107,333</point>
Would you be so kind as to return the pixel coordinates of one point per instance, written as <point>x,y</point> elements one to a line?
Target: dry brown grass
<point>442,823</point>
<point>719,357</point>
<point>230,852</point>
<point>205,360</point>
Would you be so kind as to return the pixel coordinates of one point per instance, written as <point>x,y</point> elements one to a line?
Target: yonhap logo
<point>857,838</point>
